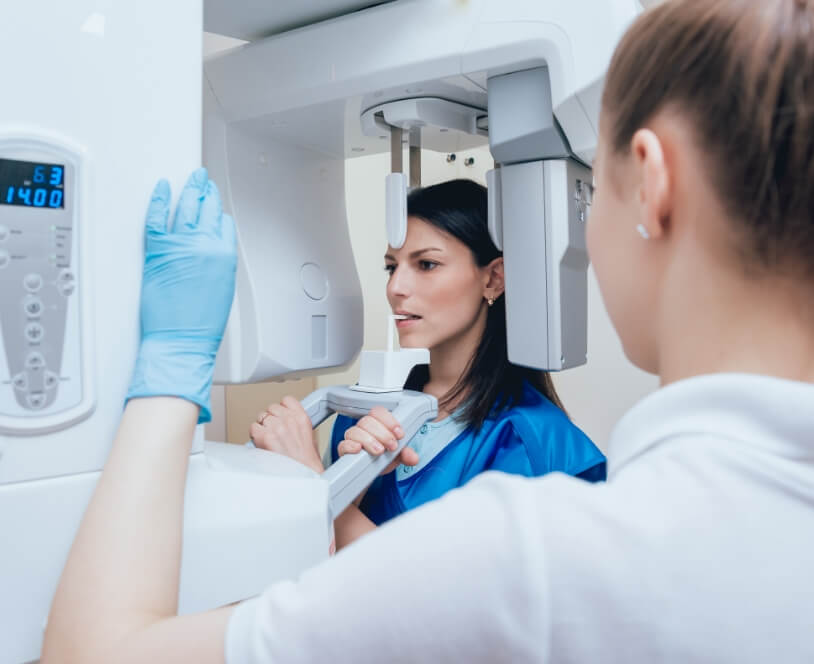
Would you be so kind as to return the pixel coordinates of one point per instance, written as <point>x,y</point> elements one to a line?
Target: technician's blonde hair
<point>742,73</point>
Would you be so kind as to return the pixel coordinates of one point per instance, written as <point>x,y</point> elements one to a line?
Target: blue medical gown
<point>531,438</point>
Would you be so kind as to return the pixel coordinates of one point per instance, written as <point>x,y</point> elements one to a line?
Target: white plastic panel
<point>251,518</point>
<point>298,306</point>
<point>412,41</point>
<point>250,19</point>
<point>302,86</point>
<point>580,124</point>
<point>582,35</point>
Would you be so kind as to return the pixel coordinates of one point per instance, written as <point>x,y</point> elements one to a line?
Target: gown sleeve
<point>536,446</point>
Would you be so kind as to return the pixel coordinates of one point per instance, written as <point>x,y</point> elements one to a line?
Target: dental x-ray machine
<point>102,98</point>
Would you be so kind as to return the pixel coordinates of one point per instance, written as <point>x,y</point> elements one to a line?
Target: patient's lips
<point>405,319</point>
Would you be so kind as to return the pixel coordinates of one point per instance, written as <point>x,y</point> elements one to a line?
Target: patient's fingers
<point>386,418</point>
<point>409,457</point>
<point>379,431</point>
<point>365,438</point>
<point>348,447</point>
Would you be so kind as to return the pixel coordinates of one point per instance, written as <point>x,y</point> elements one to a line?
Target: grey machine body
<point>540,197</point>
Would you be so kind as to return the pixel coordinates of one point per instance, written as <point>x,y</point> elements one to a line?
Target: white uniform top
<point>700,547</point>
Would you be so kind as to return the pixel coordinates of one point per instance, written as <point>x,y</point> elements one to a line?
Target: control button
<point>4,233</point>
<point>51,380</point>
<point>34,332</point>
<point>66,282</point>
<point>20,382</point>
<point>36,400</point>
<point>34,361</point>
<point>32,306</point>
<point>32,282</point>
<point>4,258</point>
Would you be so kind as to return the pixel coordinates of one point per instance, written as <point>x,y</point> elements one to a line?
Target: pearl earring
<point>643,231</point>
<point>490,301</point>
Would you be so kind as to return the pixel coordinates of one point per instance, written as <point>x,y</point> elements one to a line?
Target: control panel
<point>41,364</point>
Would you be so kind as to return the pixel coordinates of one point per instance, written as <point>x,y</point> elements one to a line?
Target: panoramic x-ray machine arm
<point>112,99</point>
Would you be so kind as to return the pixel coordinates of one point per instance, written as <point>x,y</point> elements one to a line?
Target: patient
<point>448,280</point>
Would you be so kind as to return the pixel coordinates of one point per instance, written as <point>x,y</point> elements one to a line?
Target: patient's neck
<point>450,360</point>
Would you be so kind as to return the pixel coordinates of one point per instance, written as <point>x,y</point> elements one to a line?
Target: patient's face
<point>434,279</point>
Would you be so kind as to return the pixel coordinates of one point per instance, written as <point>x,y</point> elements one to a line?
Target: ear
<point>655,198</point>
<point>494,280</point>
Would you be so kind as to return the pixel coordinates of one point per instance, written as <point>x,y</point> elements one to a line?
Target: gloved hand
<point>186,293</point>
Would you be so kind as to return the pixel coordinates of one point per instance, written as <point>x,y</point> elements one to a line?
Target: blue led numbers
<point>56,176</point>
<point>31,184</point>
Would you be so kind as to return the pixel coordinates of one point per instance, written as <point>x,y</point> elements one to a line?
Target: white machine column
<point>100,100</point>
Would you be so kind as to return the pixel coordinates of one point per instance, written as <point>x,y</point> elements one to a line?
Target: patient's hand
<point>376,432</point>
<point>285,428</point>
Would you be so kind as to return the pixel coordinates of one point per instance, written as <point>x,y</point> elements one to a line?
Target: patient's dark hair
<point>490,383</point>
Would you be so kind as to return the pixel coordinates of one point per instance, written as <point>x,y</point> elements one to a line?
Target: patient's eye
<point>426,266</point>
<point>390,268</point>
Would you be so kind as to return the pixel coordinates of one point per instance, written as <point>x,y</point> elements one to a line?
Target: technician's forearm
<point>123,570</point>
<point>351,525</point>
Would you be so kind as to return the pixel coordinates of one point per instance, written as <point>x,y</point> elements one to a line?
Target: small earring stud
<point>643,231</point>
<point>490,301</point>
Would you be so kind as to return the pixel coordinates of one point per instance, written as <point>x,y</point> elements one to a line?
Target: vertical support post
<point>396,158</point>
<point>415,157</point>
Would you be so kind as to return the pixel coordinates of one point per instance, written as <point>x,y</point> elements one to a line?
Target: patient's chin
<point>408,340</point>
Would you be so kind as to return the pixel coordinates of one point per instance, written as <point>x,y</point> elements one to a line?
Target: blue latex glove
<point>186,293</point>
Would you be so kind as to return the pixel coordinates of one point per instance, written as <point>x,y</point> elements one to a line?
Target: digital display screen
<point>32,184</point>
